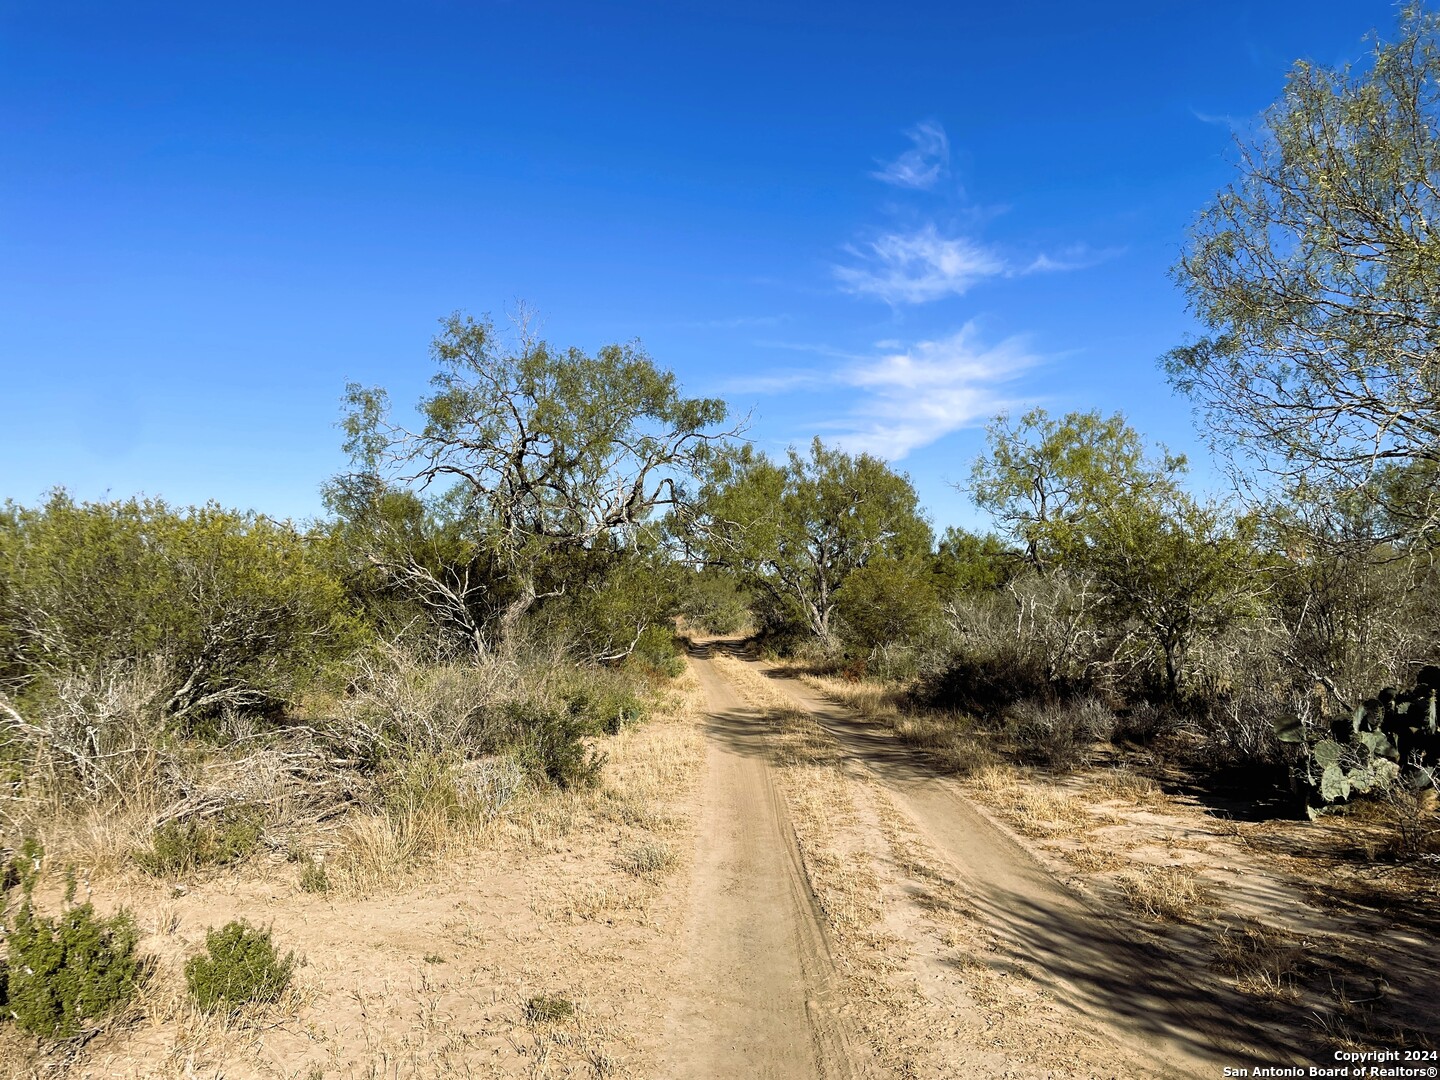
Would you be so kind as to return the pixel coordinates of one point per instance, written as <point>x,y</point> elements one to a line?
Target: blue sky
<point>879,224</point>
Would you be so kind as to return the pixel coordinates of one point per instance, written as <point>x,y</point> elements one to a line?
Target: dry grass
<point>647,859</point>
<point>370,1007</point>
<point>1165,893</point>
<point>1092,860</point>
<point>1034,809</point>
<point>1125,785</point>
<point>950,742</point>
<point>1264,961</point>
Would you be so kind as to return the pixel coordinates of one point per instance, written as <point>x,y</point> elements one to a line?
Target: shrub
<point>549,746</point>
<point>544,1009</point>
<point>181,847</point>
<point>1144,722</point>
<point>246,611</point>
<point>239,965</point>
<point>313,877</point>
<point>655,651</point>
<point>63,974</point>
<point>1058,735</point>
<point>605,707</point>
<point>984,686</point>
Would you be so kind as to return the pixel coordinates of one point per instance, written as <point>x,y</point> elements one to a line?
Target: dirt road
<point>1059,988</point>
<point>758,980</point>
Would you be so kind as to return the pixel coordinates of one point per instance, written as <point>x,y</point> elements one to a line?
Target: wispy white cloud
<point>913,268</point>
<point>924,164</point>
<point>906,396</point>
<point>777,383</point>
<point>917,395</point>
<point>1224,120</point>
<point>926,265</point>
<point>1074,257</point>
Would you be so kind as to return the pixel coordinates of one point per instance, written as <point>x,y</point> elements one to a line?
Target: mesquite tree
<point>545,453</point>
<point>1317,274</point>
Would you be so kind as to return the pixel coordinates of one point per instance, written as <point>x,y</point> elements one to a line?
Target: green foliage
<point>655,651</point>
<point>613,603</point>
<point>1085,500</point>
<point>555,453</point>
<point>1392,736</point>
<point>796,532</point>
<point>714,601</point>
<point>244,611</point>
<point>67,972</point>
<point>184,846</point>
<point>968,563</point>
<point>887,601</point>
<point>1047,481</point>
<point>1315,270</point>
<point>604,705</point>
<point>550,745</point>
<point>1179,569</point>
<point>239,966</point>
<point>548,1009</point>
<point>64,974</point>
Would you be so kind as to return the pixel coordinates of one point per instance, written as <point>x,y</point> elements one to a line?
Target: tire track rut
<point>757,993</point>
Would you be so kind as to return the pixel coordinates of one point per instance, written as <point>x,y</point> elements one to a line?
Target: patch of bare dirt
<point>986,935</point>
<point>572,900</point>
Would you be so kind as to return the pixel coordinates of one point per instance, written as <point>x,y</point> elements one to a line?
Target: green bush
<point>549,745</point>
<point>655,651</point>
<point>64,974</point>
<point>246,612</point>
<point>605,707</point>
<point>313,877</point>
<point>181,847</point>
<point>546,1009</point>
<point>239,965</point>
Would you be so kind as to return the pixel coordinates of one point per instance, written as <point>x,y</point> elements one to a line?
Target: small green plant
<point>239,965</point>
<point>1391,738</point>
<point>62,975</point>
<point>433,958</point>
<point>313,878</point>
<point>181,847</point>
<point>550,746</point>
<point>545,1009</point>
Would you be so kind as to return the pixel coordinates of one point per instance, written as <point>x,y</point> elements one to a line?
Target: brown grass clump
<point>647,859</point>
<point>1093,860</point>
<point>1165,893</point>
<point>1035,809</point>
<point>1264,961</point>
<point>947,739</point>
<point>1124,785</point>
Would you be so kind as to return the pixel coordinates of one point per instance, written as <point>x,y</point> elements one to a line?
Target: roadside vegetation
<point>1278,645</point>
<point>489,607</point>
<point>186,691</point>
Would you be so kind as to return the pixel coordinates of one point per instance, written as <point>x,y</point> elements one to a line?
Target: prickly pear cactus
<point>1388,738</point>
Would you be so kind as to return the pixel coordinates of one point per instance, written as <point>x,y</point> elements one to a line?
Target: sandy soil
<point>972,938</point>
<point>437,973</point>
<point>829,906</point>
<point>757,987</point>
